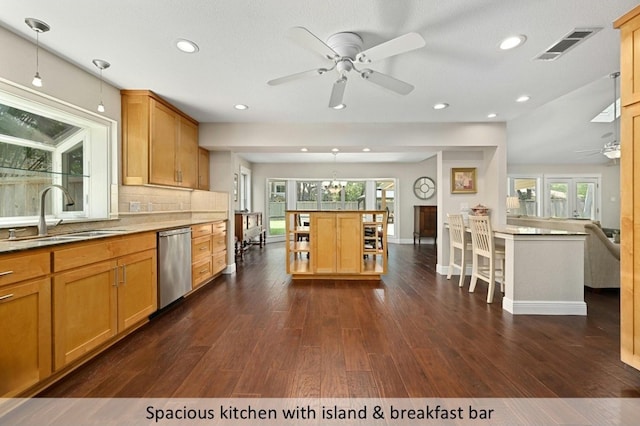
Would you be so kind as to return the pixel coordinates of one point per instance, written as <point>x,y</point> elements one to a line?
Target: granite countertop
<point>28,243</point>
<point>524,230</point>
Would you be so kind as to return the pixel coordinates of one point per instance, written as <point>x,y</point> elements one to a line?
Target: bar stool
<point>458,240</point>
<point>483,247</point>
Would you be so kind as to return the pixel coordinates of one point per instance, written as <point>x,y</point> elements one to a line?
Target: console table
<point>248,228</point>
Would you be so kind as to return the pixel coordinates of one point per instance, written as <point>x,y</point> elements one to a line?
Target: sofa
<point>601,255</point>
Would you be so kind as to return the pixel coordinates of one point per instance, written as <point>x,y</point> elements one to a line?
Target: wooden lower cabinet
<point>208,251</point>
<point>25,335</point>
<point>85,310</point>
<point>92,303</point>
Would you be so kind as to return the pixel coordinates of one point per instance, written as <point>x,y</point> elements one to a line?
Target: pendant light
<point>39,27</point>
<point>101,65</point>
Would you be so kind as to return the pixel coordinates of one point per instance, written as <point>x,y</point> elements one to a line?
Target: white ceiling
<point>243,44</point>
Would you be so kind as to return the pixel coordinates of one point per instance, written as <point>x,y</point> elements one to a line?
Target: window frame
<point>100,168</point>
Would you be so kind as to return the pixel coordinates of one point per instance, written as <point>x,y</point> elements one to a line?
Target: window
<point>277,206</point>
<point>44,142</point>
<point>526,188</point>
<point>385,200</point>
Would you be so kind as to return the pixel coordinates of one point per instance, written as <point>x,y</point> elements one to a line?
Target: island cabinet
<point>159,142</point>
<point>336,244</point>
<point>25,321</point>
<point>208,251</point>
<point>101,289</point>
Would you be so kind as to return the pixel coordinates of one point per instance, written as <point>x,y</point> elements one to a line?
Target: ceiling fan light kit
<point>344,49</point>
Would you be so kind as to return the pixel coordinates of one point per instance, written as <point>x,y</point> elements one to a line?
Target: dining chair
<point>458,241</point>
<point>485,250</point>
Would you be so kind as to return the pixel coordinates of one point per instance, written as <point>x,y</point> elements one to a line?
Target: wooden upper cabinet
<point>629,26</point>
<point>163,155</point>
<point>159,142</point>
<point>203,169</point>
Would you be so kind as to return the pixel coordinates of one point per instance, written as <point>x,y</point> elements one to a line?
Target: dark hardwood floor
<point>414,334</point>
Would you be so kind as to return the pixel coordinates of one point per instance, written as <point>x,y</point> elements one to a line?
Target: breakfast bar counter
<point>544,271</point>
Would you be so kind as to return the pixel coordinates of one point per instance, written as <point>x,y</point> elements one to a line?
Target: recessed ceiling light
<point>334,150</point>
<point>492,115</point>
<point>304,149</point>
<point>366,149</point>
<point>441,105</point>
<point>340,106</point>
<point>512,41</point>
<point>187,46</point>
<point>241,107</point>
<point>523,98</point>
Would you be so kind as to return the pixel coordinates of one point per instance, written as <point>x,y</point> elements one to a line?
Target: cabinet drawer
<point>86,253</point>
<point>201,271</point>
<point>219,262</point>
<point>218,243</point>
<point>18,267</point>
<point>201,247</point>
<point>200,230</point>
<point>218,228</point>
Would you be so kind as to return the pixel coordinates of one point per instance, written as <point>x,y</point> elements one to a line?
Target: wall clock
<point>424,188</point>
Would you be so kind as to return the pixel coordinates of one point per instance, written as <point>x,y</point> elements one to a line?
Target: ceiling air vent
<point>566,43</point>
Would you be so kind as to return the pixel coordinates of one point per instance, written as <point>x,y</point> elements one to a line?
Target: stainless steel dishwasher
<point>174,265</point>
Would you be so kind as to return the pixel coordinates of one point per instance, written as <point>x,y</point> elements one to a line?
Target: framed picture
<point>463,181</point>
<point>235,187</point>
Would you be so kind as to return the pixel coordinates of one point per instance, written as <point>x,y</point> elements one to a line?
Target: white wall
<point>61,79</point>
<point>610,190</point>
<point>405,173</point>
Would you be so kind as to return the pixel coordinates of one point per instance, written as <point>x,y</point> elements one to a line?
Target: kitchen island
<point>336,244</point>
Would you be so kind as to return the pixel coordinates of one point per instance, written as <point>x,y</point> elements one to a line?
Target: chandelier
<point>335,186</point>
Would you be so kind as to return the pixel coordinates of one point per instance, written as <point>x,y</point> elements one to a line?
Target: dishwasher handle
<point>174,232</point>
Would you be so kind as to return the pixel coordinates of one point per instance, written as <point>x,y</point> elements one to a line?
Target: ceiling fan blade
<point>337,93</point>
<point>392,47</point>
<point>387,82</point>
<point>308,40</point>
<point>292,77</point>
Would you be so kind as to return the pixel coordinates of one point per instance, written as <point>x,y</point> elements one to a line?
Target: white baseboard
<point>444,270</point>
<point>534,307</point>
<point>230,269</point>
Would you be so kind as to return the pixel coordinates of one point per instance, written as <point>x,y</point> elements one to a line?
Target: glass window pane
<point>72,177</point>
<point>558,199</point>
<point>385,200</point>
<point>277,206</point>
<point>307,195</point>
<point>526,189</point>
<point>585,200</point>
<point>33,127</point>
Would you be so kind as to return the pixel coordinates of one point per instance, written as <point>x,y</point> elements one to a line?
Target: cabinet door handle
<point>2,274</point>
<point>203,271</point>
<point>6,296</point>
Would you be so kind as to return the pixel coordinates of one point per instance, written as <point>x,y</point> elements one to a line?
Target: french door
<point>576,197</point>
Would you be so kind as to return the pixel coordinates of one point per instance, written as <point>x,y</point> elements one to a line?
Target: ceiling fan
<point>611,149</point>
<point>345,51</point>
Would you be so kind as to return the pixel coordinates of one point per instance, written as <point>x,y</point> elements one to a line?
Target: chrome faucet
<point>42,224</point>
